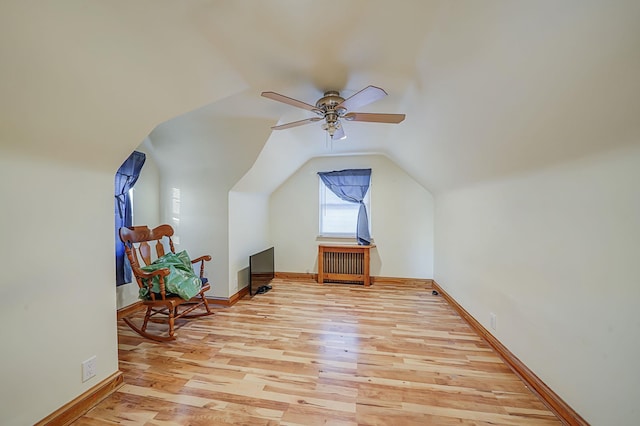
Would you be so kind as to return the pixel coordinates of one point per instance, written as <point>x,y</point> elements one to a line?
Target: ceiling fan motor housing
<point>329,101</point>
<point>327,105</point>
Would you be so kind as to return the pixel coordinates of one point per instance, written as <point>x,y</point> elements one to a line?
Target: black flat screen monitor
<point>261,271</point>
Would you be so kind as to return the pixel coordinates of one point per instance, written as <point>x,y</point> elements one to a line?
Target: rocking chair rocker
<point>136,241</point>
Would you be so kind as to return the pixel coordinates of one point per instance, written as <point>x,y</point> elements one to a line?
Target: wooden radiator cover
<point>344,263</point>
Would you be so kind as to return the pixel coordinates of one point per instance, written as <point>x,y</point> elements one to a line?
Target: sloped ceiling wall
<point>507,87</point>
<point>301,49</point>
<point>95,78</point>
<point>489,89</point>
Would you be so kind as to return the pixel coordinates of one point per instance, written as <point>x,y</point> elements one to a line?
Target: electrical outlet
<point>89,368</point>
<point>493,318</point>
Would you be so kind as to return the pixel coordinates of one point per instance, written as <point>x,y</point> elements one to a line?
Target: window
<point>339,218</point>
<point>131,192</point>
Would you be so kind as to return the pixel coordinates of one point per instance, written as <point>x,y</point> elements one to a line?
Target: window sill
<point>340,238</point>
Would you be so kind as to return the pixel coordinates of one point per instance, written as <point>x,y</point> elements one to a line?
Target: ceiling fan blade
<point>338,134</point>
<point>374,118</point>
<point>296,123</point>
<point>289,101</point>
<point>364,97</point>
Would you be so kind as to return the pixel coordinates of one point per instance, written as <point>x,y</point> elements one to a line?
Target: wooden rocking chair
<point>136,241</point>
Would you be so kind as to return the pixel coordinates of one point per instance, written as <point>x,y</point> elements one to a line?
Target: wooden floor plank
<point>307,354</point>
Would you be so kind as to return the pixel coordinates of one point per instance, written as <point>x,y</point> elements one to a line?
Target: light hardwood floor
<point>310,354</point>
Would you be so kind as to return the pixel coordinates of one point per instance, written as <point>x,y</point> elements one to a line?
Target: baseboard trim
<point>128,310</point>
<point>374,279</point>
<point>537,386</point>
<point>239,295</point>
<point>230,301</point>
<point>134,307</point>
<point>74,409</point>
<point>296,276</point>
<point>428,283</point>
<point>395,280</point>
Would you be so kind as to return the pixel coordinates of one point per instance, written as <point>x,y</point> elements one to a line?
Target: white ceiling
<point>489,88</point>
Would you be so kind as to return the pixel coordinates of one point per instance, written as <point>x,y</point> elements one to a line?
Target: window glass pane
<point>338,216</point>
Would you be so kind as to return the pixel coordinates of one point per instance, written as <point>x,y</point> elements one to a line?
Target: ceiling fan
<point>332,108</point>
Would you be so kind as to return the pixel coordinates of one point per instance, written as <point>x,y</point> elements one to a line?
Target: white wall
<point>554,254</point>
<point>82,84</point>
<point>146,193</point>
<point>248,234</point>
<point>58,284</point>
<point>401,218</point>
<point>202,223</point>
<point>146,211</point>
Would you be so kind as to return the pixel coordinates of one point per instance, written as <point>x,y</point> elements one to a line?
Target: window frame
<point>322,191</point>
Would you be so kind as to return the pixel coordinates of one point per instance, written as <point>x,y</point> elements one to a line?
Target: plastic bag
<point>181,281</point>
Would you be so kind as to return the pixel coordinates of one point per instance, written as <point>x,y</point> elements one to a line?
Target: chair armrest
<point>147,279</point>
<point>201,259</point>
<point>205,258</point>
<point>148,275</point>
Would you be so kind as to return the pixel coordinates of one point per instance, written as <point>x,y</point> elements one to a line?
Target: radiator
<point>343,264</point>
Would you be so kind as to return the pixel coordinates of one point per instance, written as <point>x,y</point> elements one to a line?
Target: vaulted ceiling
<point>489,88</point>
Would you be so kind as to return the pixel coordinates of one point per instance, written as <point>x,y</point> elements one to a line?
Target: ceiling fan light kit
<point>332,108</point>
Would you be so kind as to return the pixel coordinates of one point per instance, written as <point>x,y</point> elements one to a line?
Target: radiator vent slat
<point>344,263</point>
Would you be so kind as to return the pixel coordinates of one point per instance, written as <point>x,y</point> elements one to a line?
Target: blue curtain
<point>126,177</point>
<point>352,185</point>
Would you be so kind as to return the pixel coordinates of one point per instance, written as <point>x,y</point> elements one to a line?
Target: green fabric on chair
<point>181,281</point>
